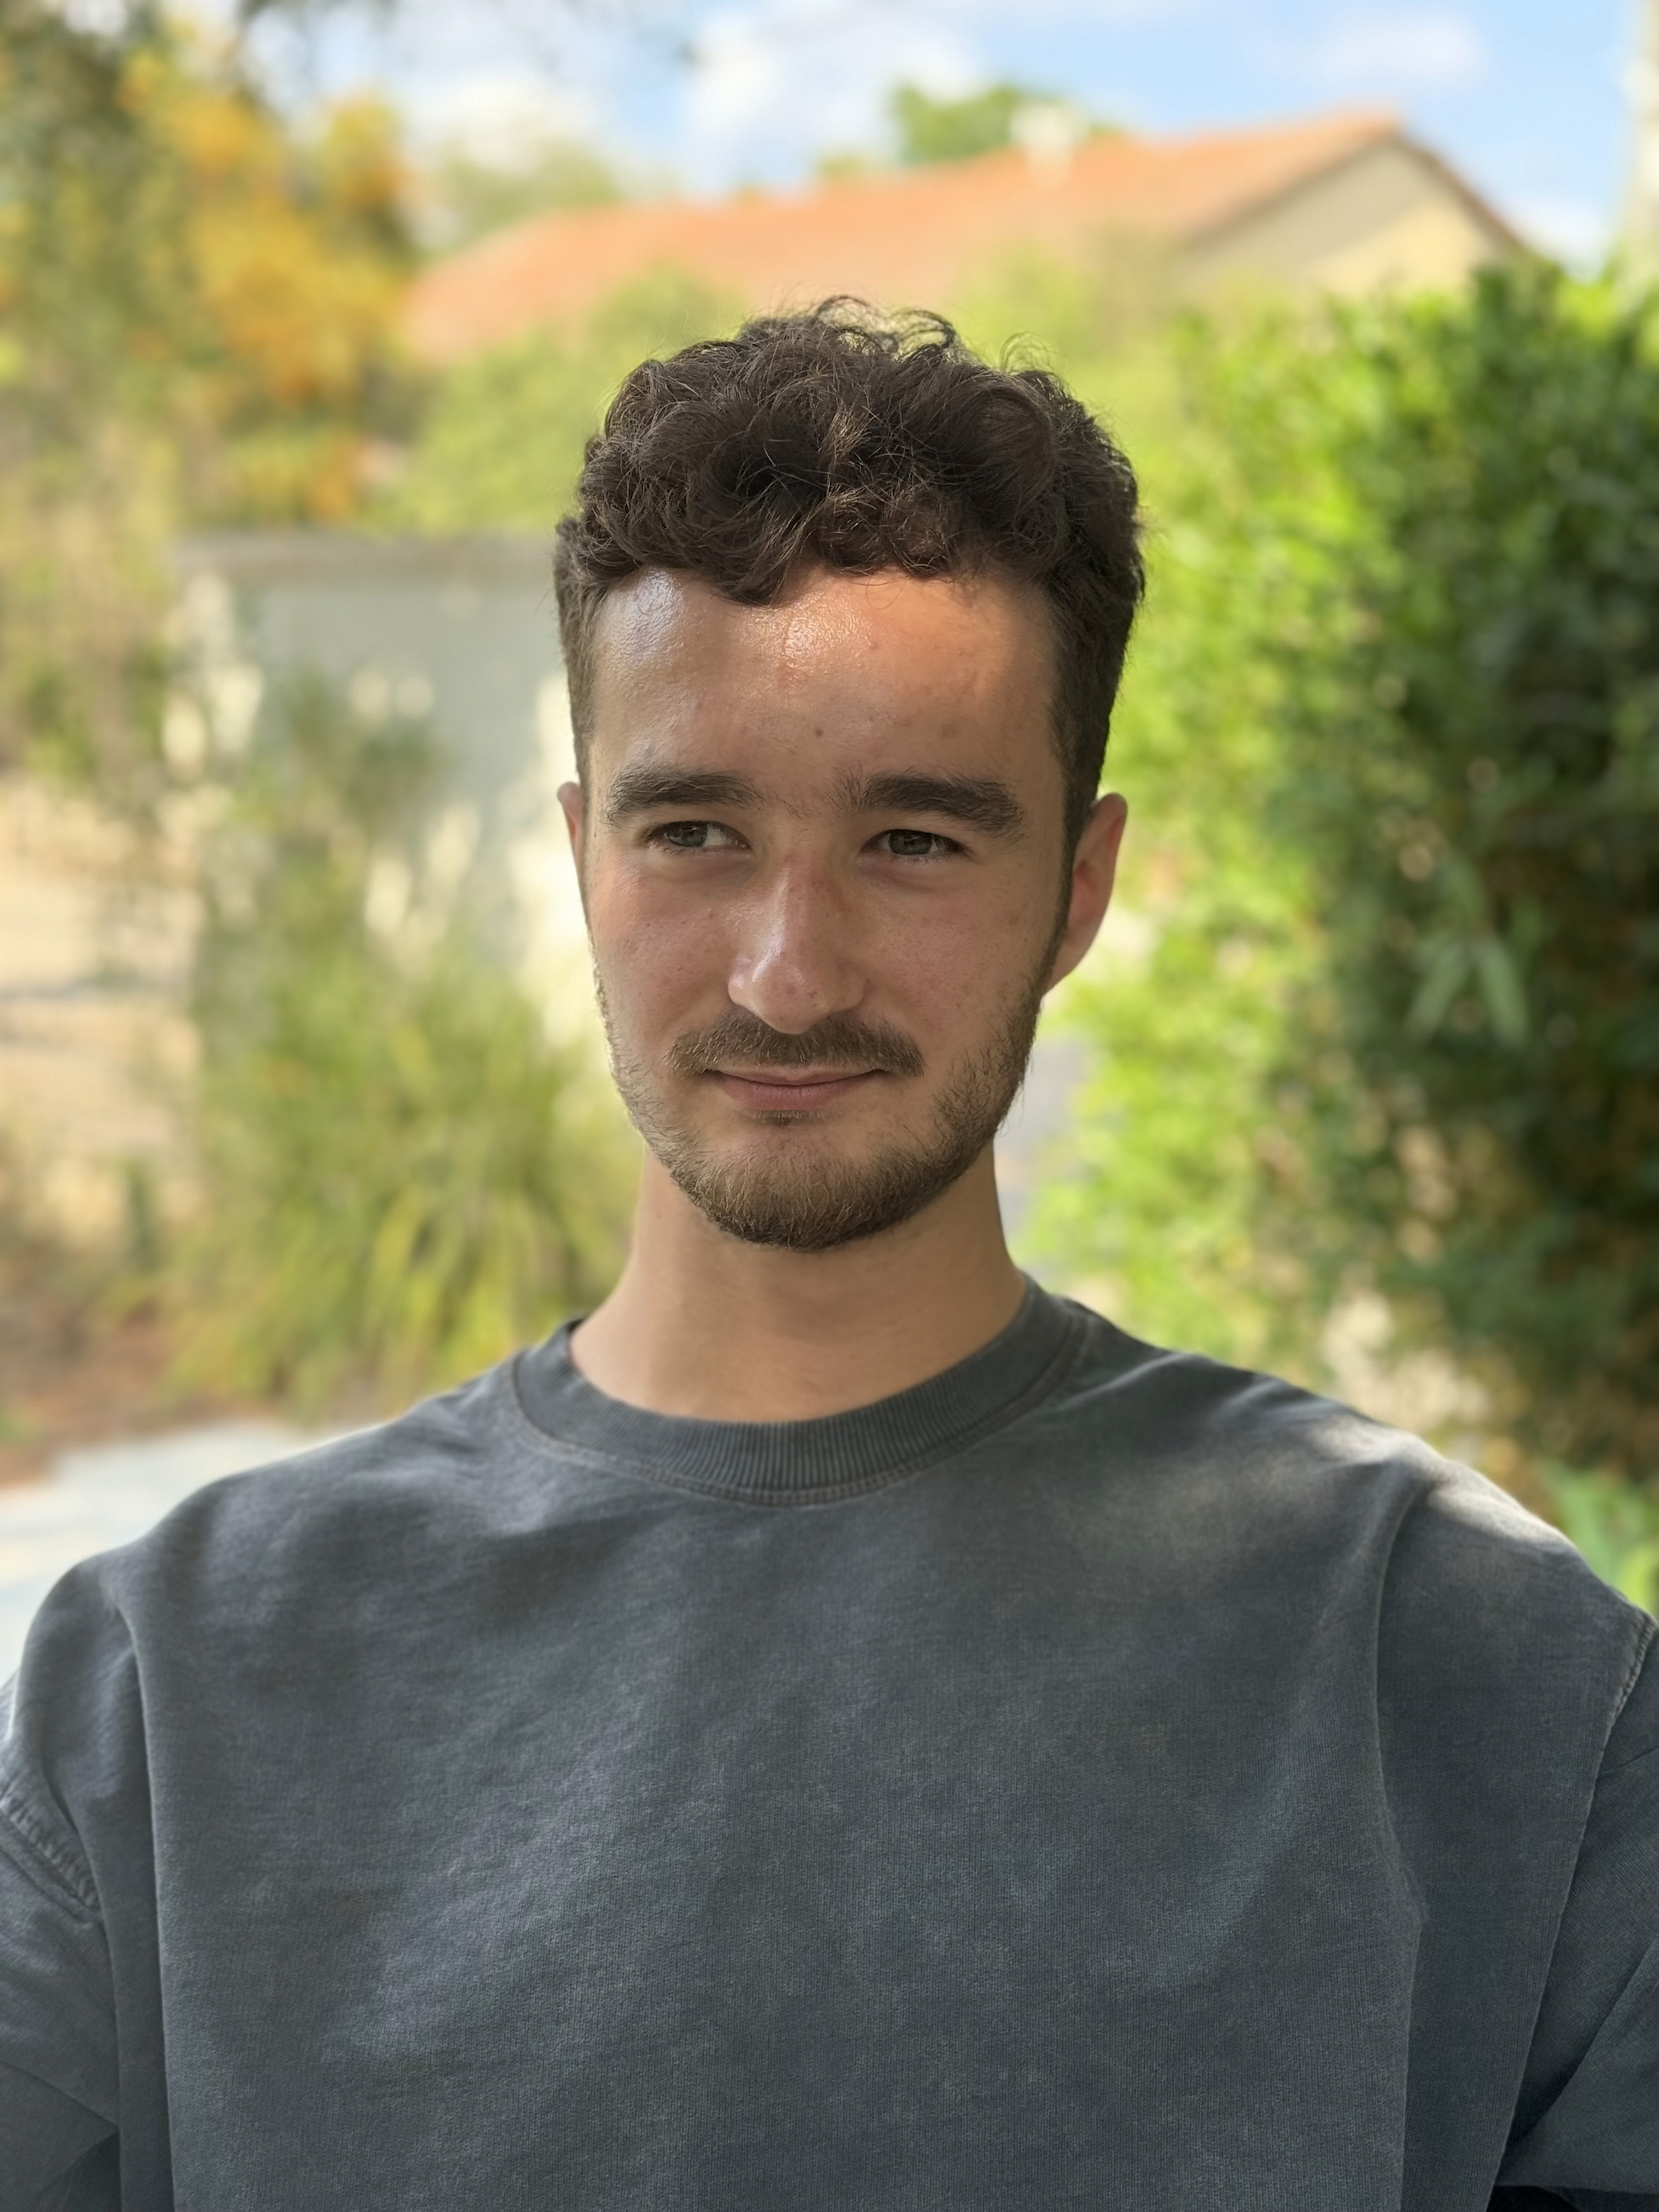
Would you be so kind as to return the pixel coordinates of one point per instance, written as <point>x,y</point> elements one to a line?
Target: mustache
<point>838,1041</point>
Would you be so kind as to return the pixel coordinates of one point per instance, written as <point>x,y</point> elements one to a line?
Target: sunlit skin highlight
<point>837,818</point>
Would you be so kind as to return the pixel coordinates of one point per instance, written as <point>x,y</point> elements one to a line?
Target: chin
<point>818,1200</point>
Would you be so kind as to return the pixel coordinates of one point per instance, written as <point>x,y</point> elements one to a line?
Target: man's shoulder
<point>1232,1425</point>
<point>346,1545</point>
<point>355,1505</point>
<point>1269,1470</point>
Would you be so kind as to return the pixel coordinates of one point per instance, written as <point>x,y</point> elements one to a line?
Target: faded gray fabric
<point>1094,1778</point>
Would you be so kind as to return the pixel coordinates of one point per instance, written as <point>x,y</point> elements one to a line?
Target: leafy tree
<point>1160,1200</point>
<point>197,322</point>
<point>291,261</point>
<point>1393,1024</point>
<point>500,445</point>
<point>1482,791</point>
<point>85,490</point>
<point>174,252</point>
<point>467,198</point>
<point>954,130</point>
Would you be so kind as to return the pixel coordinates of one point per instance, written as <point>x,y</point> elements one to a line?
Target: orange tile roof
<point>903,237</point>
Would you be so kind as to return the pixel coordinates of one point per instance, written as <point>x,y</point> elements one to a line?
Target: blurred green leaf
<point>1614,1525</point>
<point>403,1177</point>
<point>500,445</point>
<point>1393,757</point>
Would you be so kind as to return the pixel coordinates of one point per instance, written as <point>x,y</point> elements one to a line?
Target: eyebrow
<point>981,802</point>
<point>637,790</point>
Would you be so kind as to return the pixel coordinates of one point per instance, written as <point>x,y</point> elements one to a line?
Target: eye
<point>692,836</point>
<point>917,844</point>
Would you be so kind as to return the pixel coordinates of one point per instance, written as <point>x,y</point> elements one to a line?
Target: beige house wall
<point>1388,218</point>
<point>95,1051</point>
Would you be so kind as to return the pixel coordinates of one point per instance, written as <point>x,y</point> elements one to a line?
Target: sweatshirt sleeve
<point>57,2084</point>
<point>1587,2123</point>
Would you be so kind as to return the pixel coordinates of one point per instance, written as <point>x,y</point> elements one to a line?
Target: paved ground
<point>100,1497</point>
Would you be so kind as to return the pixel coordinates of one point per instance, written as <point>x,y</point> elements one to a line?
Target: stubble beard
<point>806,1199</point>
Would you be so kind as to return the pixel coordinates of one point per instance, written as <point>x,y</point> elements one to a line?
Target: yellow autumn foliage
<point>193,257</point>
<point>198,304</point>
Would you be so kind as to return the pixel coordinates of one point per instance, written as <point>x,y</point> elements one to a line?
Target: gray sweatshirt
<point>1095,1776</point>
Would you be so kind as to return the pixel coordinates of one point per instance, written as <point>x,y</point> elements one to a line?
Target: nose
<point>796,960</point>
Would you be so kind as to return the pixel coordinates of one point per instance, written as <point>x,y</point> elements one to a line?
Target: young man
<point>837,1727</point>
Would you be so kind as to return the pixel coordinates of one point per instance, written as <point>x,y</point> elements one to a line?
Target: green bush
<point>1615,1526</point>
<point>403,1177</point>
<point>1160,1201</point>
<point>1484,799</point>
<point>1396,712</point>
<point>500,445</point>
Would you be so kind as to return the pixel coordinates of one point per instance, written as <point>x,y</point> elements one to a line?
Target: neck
<point>703,1325</point>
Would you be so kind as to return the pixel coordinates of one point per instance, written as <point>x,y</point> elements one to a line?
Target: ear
<point>572,804</point>
<point>1094,871</point>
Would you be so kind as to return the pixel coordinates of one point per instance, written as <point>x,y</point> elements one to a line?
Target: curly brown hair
<point>861,443</point>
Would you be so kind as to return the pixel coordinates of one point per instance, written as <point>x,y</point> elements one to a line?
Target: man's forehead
<point>971,626</point>
<point>834,654</point>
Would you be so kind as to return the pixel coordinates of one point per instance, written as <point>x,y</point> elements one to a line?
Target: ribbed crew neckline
<point>802,1462</point>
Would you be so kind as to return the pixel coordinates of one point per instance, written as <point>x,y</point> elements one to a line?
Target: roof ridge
<point>1359,120</point>
<point>906,232</point>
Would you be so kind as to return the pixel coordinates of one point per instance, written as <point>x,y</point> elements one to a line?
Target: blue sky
<point>1524,96</point>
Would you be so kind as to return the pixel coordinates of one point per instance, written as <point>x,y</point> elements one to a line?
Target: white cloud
<point>780,77</point>
<point>1576,230</point>
<point>773,81</point>
<point>94,18</point>
<point>1111,15</point>
<point>1423,47</point>
<point>502,117</point>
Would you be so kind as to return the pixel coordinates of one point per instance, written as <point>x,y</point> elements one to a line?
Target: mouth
<point>772,1090</point>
